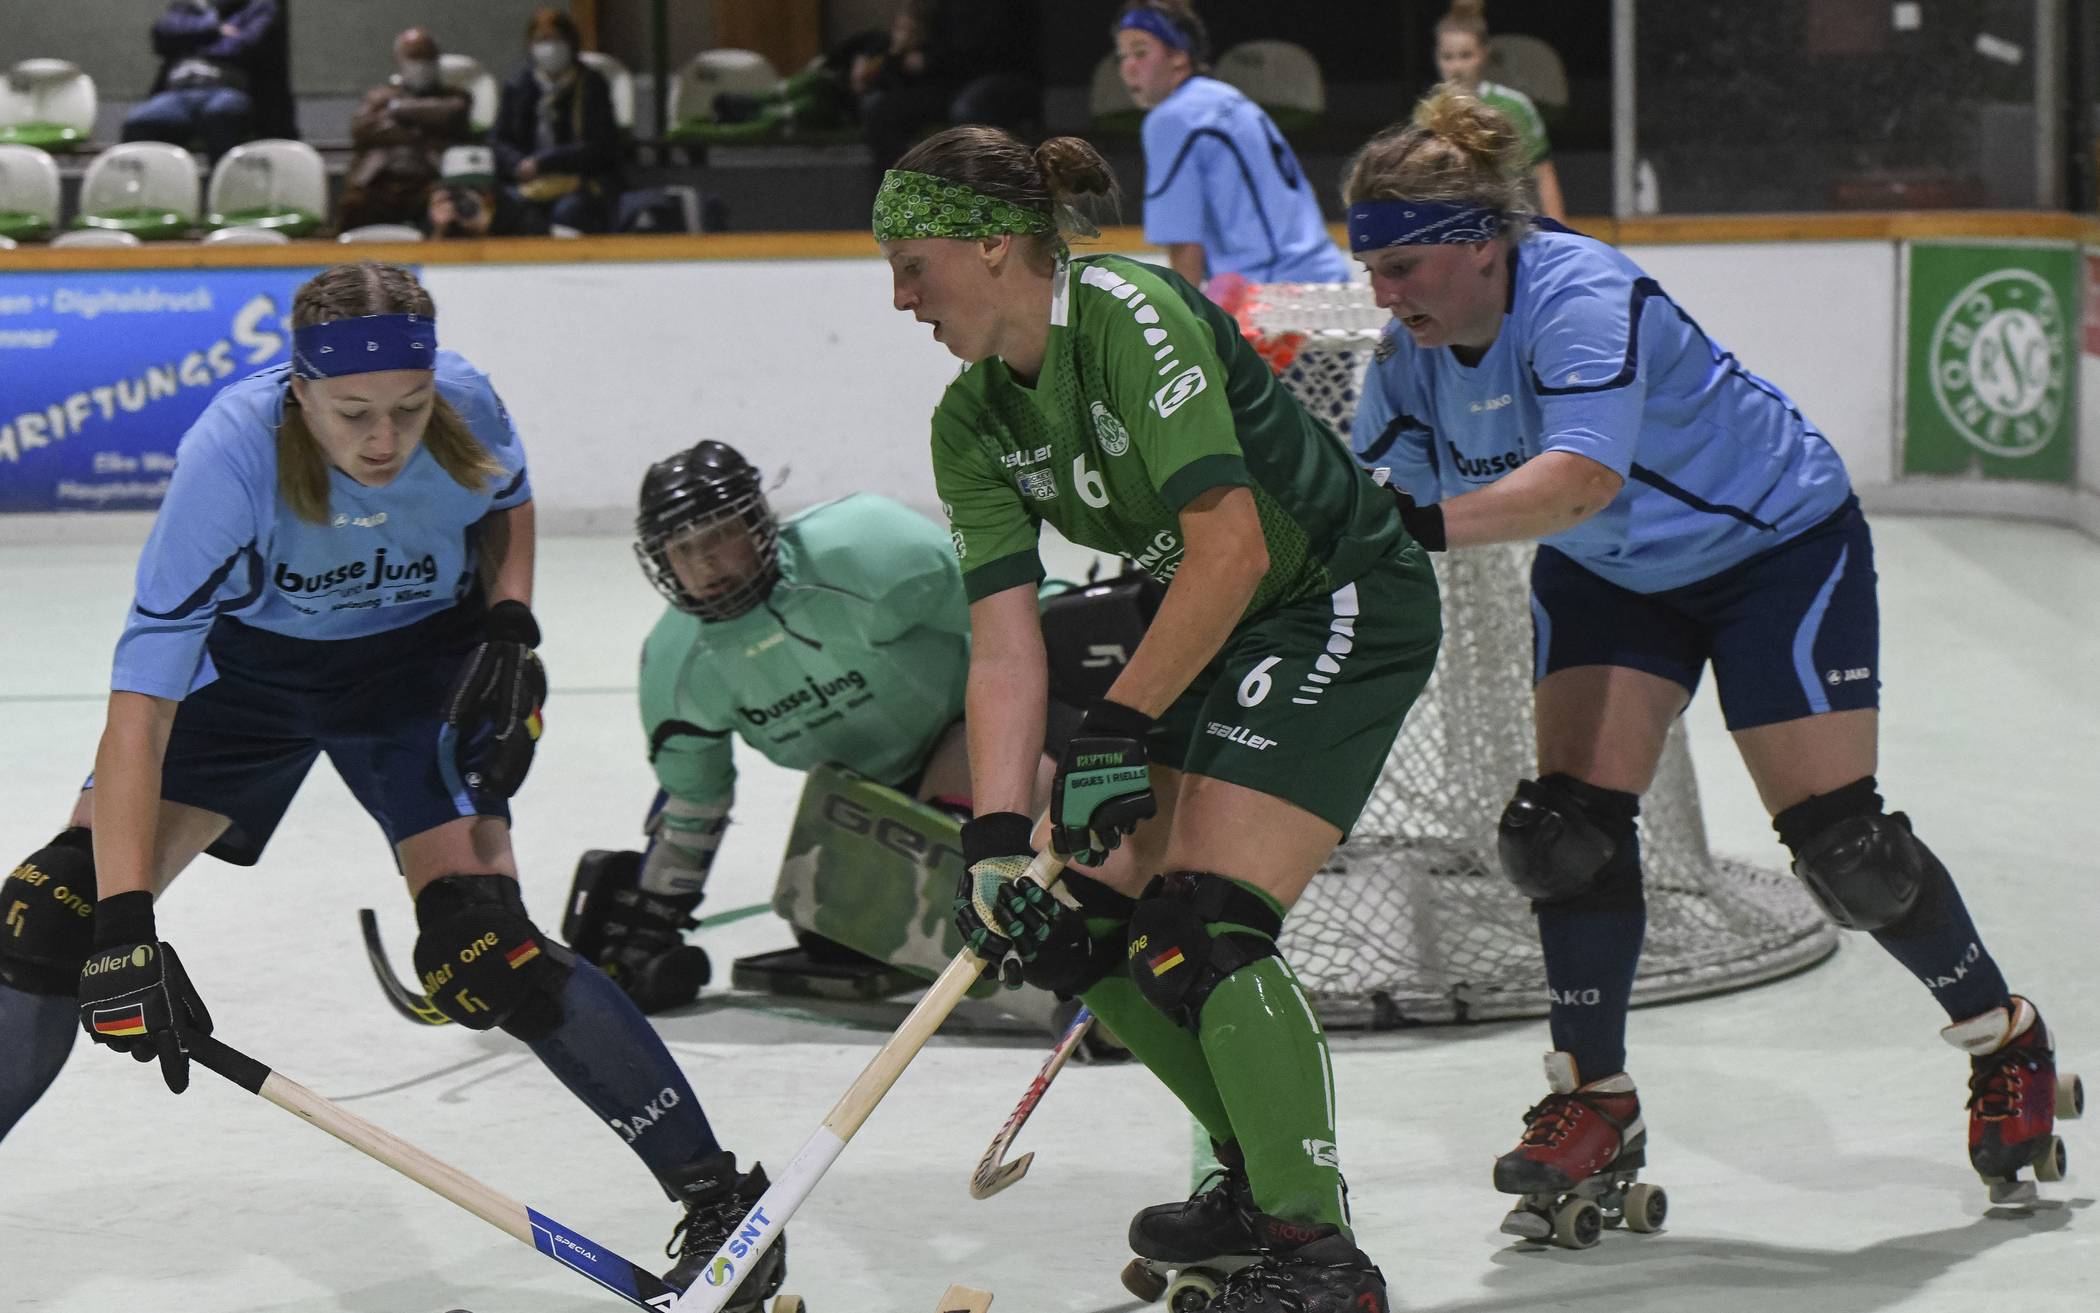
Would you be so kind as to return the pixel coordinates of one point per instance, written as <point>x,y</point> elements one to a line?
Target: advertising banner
<point>101,373</point>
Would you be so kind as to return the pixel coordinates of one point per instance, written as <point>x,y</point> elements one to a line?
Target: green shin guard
<point>1167,1050</point>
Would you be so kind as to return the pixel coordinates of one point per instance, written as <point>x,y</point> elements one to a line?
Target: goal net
<point>1411,920</point>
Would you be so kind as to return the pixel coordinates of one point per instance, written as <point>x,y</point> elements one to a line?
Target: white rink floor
<point>1809,1132</point>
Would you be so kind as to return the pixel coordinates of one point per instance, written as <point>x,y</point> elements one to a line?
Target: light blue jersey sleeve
<point>1387,436</point>
<point>1586,368</point>
<point>1175,204</point>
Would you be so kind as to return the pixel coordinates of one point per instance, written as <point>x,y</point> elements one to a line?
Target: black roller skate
<point>1583,1146</point>
<point>1304,1269</point>
<point>1185,1251</point>
<point>716,1199</point>
<point>2016,1098</point>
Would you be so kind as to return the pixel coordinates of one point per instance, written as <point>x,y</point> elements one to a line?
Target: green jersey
<point>1148,397</point>
<point>1522,114</point>
<point>858,657</point>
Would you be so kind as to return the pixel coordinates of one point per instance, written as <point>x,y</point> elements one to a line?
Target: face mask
<point>419,75</point>
<point>551,58</point>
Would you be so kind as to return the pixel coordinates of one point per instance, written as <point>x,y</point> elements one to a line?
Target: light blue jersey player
<point>1223,192</point>
<point>342,565</point>
<point>1539,385</point>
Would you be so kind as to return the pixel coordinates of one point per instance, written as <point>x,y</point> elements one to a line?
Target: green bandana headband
<point>921,205</point>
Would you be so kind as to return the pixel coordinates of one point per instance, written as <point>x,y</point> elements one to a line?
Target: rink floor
<point>1810,1132</point>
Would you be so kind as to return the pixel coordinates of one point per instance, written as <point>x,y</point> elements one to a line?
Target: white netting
<point>1411,920</point>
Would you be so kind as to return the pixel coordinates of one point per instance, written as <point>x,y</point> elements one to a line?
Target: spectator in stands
<point>952,61</point>
<point>225,76</point>
<point>468,203</point>
<point>400,132</point>
<point>1224,195</point>
<point>828,93</point>
<point>555,136</point>
<point>1461,53</point>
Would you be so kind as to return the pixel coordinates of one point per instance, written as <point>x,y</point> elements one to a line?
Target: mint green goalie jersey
<point>858,657</point>
<point>1148,397</point>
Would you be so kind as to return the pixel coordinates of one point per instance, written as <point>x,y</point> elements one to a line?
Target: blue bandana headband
<point>368,344</point>
<point>1374,225</point>
<point>1150,20</point>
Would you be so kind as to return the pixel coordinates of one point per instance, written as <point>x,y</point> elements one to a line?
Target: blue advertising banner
<point>102,373</point>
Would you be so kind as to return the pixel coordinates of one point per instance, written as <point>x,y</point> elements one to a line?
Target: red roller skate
<point>1583,1146</point>
<point>2015,1099</point>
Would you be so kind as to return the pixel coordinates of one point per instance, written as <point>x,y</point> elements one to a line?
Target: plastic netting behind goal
<point>1411,920</point>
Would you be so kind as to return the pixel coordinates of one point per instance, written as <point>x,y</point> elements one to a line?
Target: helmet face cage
<point>744,505</point>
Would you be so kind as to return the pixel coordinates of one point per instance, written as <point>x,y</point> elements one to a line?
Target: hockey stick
<point>566,1246</point>
<point>761,1226</point>
<point>993,1173</point>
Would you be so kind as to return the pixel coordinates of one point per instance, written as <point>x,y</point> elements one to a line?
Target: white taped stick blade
<point>962,1299</point>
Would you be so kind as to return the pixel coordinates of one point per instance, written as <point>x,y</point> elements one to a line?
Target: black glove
<point>996,911</point>
<point>492,715</point>
<point>1103,787</point>
<point>1425,524</point>
<point>134,995</point>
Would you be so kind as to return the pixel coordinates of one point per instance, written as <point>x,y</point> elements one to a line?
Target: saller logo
<point>1178,390</point>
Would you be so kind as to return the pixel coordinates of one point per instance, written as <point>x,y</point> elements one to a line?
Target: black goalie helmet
<point>692,506</point>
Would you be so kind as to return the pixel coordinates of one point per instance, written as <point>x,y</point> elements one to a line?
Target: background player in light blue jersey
<point>343,564</point>
<point>1223,192</point>
<point>1537,384</point>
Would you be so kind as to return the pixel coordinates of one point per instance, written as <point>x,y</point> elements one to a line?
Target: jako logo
<point>1178,390</point>
<point>1846,676</point>
<point>1496,404</point>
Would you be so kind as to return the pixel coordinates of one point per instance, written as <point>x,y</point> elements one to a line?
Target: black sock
<point>36,1034</point>
<point>1593,947</point>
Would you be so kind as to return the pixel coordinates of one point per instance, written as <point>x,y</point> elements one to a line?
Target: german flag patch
<point>522,954</point>
<point>1165,962</point>
<point>121,1021</point>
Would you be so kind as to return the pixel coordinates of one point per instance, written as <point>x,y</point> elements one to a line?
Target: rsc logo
<point>2000,363</point>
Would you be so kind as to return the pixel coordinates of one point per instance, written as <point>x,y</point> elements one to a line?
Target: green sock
<point>1171,1053</point>
<point>1269,1059</point>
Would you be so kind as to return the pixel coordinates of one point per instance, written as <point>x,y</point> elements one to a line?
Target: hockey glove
<point>492,715</point>
<point>1103,787</point>
<point>996,849</point>
<point>134,995</point>
<point>1424,524</point>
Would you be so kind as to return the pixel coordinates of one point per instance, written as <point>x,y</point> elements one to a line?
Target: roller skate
<point>1186,1251</point>
<point>715,1199</point>
<point>1304,1269</point>
<point>2015,1099</point>
<point>1583,1146</point>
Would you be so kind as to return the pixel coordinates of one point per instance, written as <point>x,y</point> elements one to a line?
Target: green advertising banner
<point>1990,360</point>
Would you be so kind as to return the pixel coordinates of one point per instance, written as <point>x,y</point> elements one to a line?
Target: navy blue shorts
<point>242,744</point>
<point>1794,631</point>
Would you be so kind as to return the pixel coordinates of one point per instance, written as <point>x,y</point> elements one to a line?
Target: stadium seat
<point>622,81</point>
<point>1108,102</point>
<point>146,188</point>
<point>1532,67</point>
<point>48,103</point>
<point>707,75</point>
<point>97,237</point>
<point>270,183</point>
<point>1280,76</point>
<point>382,232</point>
<point>466,73</point>
<point>244,236</point>
<point>7,243</point>
<point>28,193</point>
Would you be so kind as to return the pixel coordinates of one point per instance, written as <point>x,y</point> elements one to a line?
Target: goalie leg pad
<point>47,916</point>
<point>1558,835</point>
<point>1863,866</point>
<point>483,962</point>
<point>635,937</point>
<point>1186,937</point>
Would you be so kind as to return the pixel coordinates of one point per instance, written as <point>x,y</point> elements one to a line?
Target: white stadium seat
<point>622,81</point>
<point>270,183</point>
<point>1276,75</point>
<point>712,72</point>
<point>382,232</point>
<point>29,193</point>
<point>48,103</point>
<point>466,73</point>
<point>147,188</point>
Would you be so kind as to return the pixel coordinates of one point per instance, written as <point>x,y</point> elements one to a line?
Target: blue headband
<point>1377,224</point>
<point>365,345</point>
<point>1150,20</point>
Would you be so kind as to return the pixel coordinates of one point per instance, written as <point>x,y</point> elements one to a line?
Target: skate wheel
<point>1191,1292</point>
<point>787,1304</point>
<point>1525,1224</point>
<point>1140,1280</point>
<point>1577,1224</point>
<point>2070,1098</point>
<point>2053,1161</point>
<point>1646,1207</point>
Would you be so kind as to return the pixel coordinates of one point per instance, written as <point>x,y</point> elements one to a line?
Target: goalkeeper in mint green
<point>1110,399</point>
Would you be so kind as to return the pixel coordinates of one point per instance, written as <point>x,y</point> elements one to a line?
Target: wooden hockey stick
<point>761,1226</point>
<point>993,1174</point>
<point>565,1245</point>
<point>962,1299</point>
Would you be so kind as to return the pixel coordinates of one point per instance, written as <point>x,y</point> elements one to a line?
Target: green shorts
<point>1303,703</point>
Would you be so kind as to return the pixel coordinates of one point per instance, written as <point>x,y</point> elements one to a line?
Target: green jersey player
<point>1112,400</point>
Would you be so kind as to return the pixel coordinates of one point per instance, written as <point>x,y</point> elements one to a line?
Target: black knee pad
<point>483,962</point>
<point>1071,967</point>
<point>1561,838</point>
<point>47,916</point>
<point>1864,867</point>
<point>1176,957</point>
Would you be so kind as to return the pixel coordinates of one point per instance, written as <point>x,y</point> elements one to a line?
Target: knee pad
<point>1558,836</point>
<point>1069,968</point>
<point>483,962</point>
<point>1177,956</point>
<point>1864,867</point>
<point>47,916</point>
